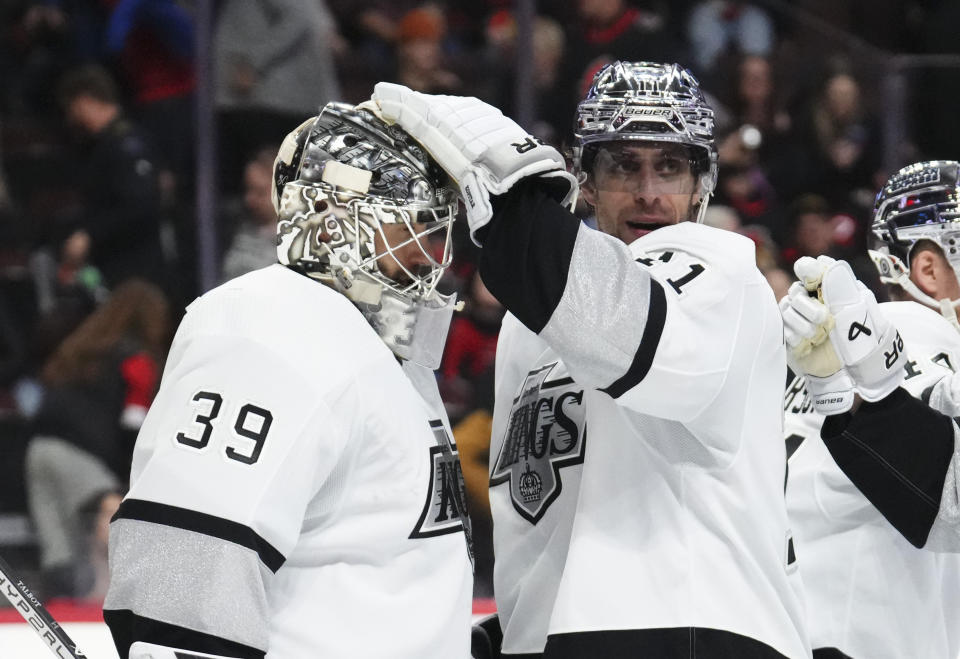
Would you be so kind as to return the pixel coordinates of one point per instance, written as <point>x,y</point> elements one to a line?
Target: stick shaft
<point>36,615</point>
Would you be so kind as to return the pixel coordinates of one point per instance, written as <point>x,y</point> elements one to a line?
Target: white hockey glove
<point>484,152</point>
<point>869,345</point>
<point>807,323</point>
<point>866,344</point>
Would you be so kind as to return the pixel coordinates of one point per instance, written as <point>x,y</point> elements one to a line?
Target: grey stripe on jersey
<point>598,325</point>
<point>944,396</point>
<point>189,579</point>
<point>945,532</point>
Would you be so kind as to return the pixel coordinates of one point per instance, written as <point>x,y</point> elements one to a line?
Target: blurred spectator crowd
<point>98,233</point>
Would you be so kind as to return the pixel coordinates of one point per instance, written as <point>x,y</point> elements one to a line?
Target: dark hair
<point>927,245</point>
<point>89,80</point>
<point>136,309</point>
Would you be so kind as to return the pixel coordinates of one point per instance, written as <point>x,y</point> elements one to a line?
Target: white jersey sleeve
<point>712,295</point>
<point>638,322</point>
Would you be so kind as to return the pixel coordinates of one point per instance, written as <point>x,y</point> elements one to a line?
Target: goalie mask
<point>919,202</point>
<point>354,199</point>
<point>645,101</point>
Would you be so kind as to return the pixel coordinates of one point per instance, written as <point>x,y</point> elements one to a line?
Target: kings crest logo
<point>546,431</point>
<point>444,510</point>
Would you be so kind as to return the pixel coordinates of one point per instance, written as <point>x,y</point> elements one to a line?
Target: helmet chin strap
<point>705,192</point>
<point>701,211</point>
<point>896,274</point>
<point>948,309</point>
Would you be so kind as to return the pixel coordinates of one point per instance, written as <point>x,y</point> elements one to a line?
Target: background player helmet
<point>919,202</point>
<point>649,102</point>
<point>338,179</point>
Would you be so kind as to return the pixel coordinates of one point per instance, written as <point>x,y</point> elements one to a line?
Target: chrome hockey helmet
<point>919,202</point>
<point>650,102</point>
<point>338,180</point>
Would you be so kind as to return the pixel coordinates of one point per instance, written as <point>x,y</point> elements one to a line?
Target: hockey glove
<point>868,344</point>
<point>484,152</point>
<point>807,324</point>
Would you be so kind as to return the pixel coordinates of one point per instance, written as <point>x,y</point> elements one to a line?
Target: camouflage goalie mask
<point>339,179</point>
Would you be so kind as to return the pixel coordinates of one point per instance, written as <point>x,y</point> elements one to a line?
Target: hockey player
<point>294,491</point>
<point>670,339</point>
<point>869,592</point>
<point>539,435</point>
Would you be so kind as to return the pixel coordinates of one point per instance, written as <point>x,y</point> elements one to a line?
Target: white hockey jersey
<point>680,520</point>
<point>289,492</point>
<point>536,452</point>
<point>870,593</point>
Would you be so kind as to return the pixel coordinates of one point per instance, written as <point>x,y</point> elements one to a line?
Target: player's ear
<point>589,191</point>
<point>923,271</point>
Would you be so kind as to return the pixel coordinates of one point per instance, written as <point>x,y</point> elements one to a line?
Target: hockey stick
<point>28,606</point>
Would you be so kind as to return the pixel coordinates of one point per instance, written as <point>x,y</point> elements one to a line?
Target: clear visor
<point>657,169</point>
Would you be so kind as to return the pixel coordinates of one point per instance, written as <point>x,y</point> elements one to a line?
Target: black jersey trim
<point>659,643</point>
<point>527,251</point>
<point>829,653</point>
<point>191,520</point>
<point>647,350</point>
<point>551,384</point>
<point>127,627</point>
<point>897,452</point>
<point>491,627</point>
<point>525,655</point>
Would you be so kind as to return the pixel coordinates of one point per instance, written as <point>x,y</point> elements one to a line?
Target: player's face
<point>638,188</point>
<point>404,250</point>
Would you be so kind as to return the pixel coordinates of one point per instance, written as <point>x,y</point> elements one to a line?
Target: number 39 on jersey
<point>242,442</point>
